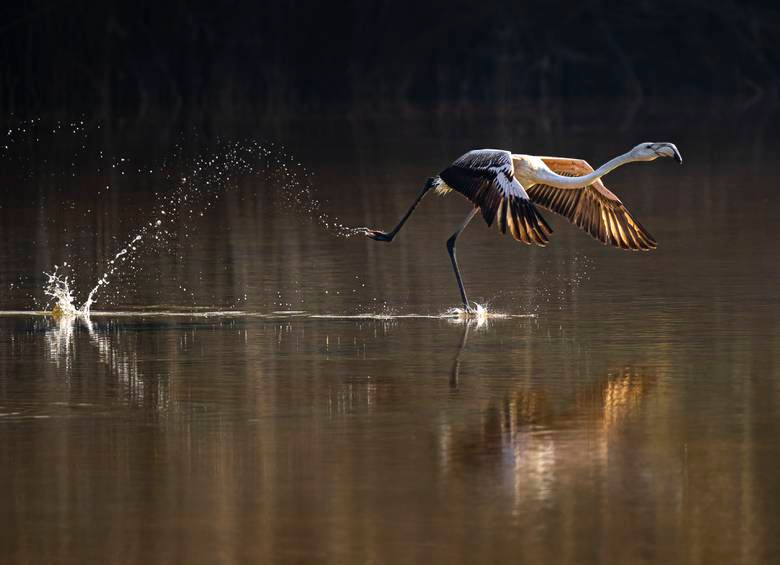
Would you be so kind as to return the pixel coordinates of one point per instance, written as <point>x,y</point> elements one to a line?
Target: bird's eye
<point>648,146</point>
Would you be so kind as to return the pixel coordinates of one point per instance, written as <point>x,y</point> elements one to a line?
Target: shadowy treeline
<point>365,57</point>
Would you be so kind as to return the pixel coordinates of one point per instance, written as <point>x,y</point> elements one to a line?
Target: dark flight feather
<point>486,178</point>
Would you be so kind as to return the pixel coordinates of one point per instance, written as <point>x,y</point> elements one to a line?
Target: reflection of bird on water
<point>455,374</point>
<point>506,187</point>
<point>606,403</point>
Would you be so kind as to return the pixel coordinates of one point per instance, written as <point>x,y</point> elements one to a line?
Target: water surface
<point>625,412</point>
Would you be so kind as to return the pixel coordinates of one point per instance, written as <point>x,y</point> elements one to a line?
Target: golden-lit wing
<point>486,178</point>
<point>593,208</point>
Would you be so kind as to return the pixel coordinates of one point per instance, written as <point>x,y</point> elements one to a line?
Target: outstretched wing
<point>593,208</point>
<point>486,177</point>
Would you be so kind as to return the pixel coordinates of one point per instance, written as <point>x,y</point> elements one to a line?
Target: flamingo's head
<point>650,150</point>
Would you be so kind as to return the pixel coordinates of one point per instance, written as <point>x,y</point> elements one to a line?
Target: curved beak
<point>669,150</point>
<point>677,156</point>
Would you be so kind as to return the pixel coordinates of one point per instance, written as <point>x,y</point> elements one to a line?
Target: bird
<point>507,188</point>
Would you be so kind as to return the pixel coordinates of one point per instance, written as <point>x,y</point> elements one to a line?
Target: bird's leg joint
<point>451,242</point>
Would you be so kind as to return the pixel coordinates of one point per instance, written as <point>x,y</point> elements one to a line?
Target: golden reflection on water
<point>323,437</point>
<point>518,426</point>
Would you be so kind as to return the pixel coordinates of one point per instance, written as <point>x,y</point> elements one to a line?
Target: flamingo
<point>507,187</point>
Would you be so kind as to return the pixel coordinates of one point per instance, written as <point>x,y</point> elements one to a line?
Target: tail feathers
<point>523,221</point>
<point>440,186</point>
<point>433,182</point>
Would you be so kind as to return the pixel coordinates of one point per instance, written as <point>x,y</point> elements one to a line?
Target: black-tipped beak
<point>675,152</point>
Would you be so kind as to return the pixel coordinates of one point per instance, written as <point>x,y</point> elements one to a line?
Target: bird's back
<point>481,162</point>
<point>473,174</point>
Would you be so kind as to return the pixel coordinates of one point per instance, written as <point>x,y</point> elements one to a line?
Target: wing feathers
<point>530,226</point>
<point>486,177</point>
<point>501,216</point>
<point>594,208</point>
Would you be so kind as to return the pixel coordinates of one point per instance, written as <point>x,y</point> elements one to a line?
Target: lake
<point>254,387</point>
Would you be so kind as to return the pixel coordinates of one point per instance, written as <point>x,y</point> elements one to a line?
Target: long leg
<point>388,236</point>
<point>451,250</point>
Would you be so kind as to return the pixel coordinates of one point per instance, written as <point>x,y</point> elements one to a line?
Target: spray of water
<point>189,186</point>
<point>113,265</point>
<point>194,185</point>
<point>58,289</point>
<point>478,315</point>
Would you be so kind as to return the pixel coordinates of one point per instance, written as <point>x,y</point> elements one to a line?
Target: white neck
<point>561,181</point>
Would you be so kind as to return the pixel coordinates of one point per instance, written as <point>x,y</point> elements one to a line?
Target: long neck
<point>562,181</point>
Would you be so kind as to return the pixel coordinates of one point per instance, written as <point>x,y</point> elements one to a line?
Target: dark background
<point>357,57</point>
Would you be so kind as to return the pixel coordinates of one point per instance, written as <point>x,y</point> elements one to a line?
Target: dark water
<point>627,412</point>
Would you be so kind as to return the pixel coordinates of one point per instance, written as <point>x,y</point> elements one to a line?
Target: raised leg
<point>379,235</point>
<point>451,251</point>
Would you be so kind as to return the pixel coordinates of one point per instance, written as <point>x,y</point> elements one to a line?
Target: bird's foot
<point>465,312</point>
<point>470,314</point>
<point>476,311</point>
<point>376,235</point>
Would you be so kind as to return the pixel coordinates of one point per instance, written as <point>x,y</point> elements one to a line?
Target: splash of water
<point>198,182</point>
<point>113,265</point>
<point>58,288</point>
<point>478,314</point>
<point>189,186</point>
